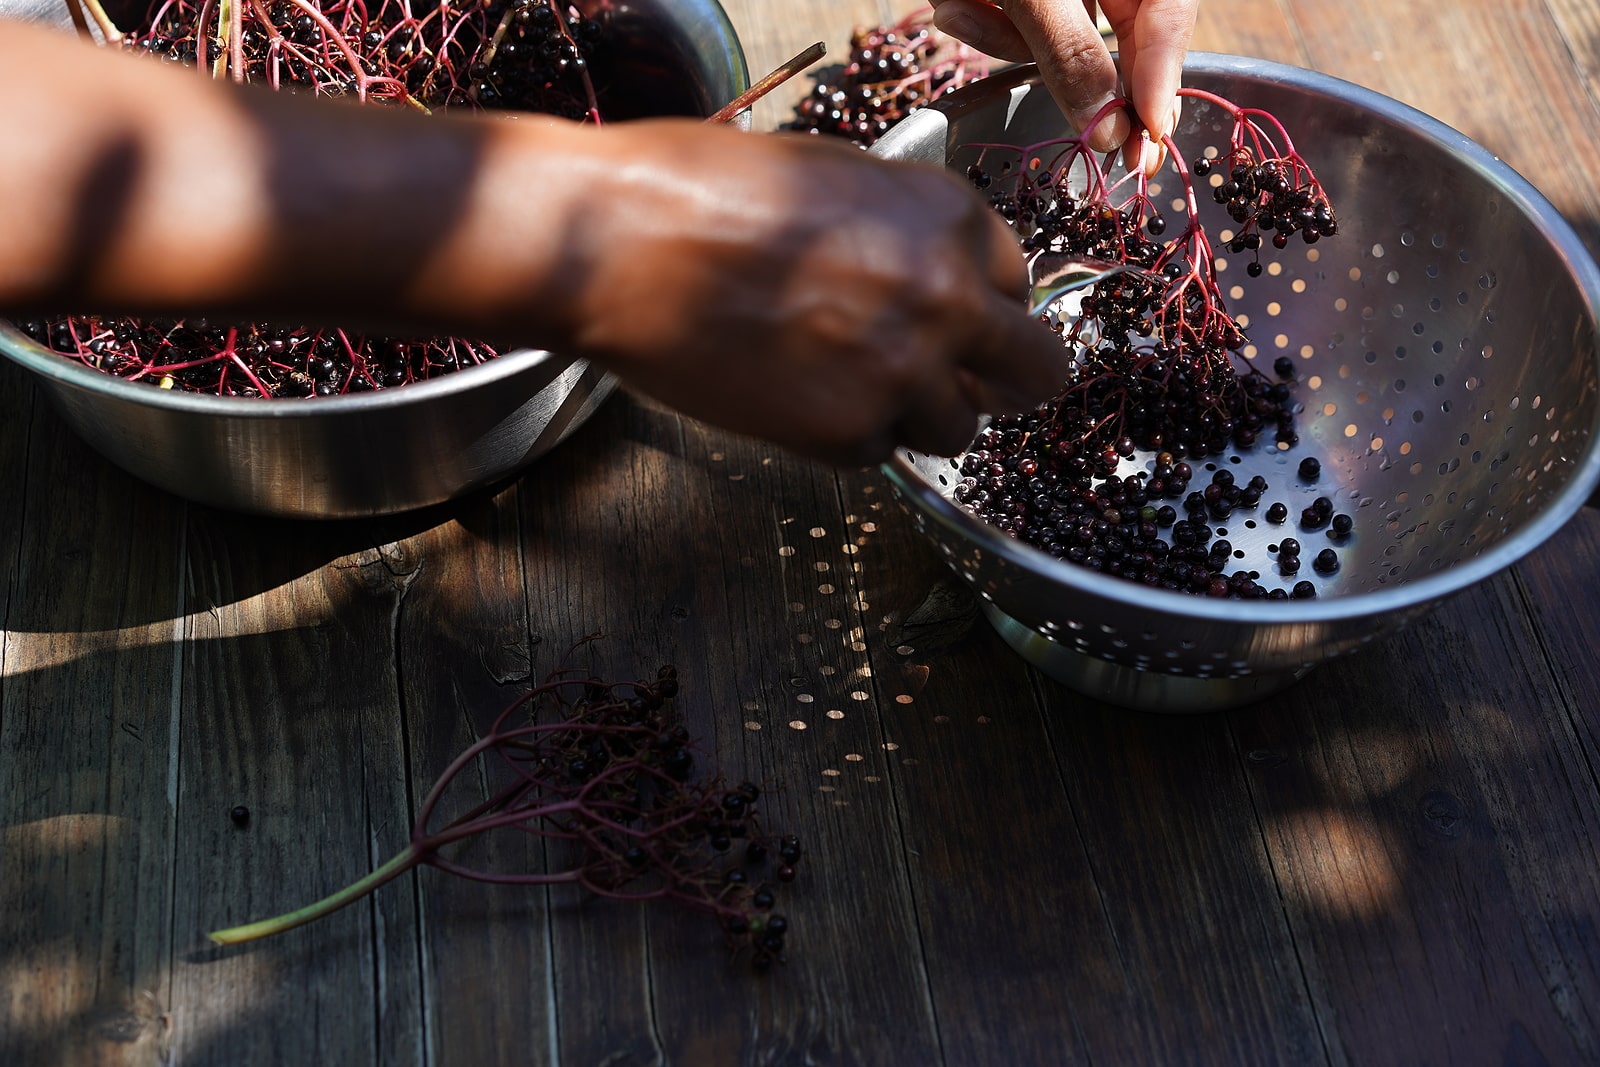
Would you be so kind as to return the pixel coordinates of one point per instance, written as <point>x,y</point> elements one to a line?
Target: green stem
<point>108,29</point>
<point>224,38</point>
<point>404,861</point>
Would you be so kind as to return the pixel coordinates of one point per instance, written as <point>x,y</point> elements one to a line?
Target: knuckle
<point>1082,68</point>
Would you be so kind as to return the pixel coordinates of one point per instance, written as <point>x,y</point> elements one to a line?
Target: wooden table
<point>1395,862</point>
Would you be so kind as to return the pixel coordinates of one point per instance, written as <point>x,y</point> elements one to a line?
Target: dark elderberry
<point>1310,468</point>
<point>240,815</point>
<point>1277,512</point>
<point>1327,562</point>
<point>890,72</point>
<point>679,765</point>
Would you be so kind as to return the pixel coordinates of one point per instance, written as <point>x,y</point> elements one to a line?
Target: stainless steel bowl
<point>398,449</point>
<point>1445,342</point>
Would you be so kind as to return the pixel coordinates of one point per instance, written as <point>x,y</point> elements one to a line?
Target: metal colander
<point>1445,349</point>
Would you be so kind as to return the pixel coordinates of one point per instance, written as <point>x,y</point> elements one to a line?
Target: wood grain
<point>85,761</point>
<point>289,710</point>
<point>1394,861</point>
<point>694,525</point>
<point>463,650</point>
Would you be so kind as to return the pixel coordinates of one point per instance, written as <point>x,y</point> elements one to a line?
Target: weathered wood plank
<point>1431,821</point>
<point>1501,73</point>
<point>1578,22</point>
<point>1260,28</point>
<point>1079,863</point>
<point>1377,922</point>
<point>1013,934</point>
<point>86,822</point>
<point>465,652</point>
<point>1394,861</point>
<point>1405,844</point>
<point>690,547</point>
<point>17,399</point>
<point>1559,584</point>
<point>290,709</point>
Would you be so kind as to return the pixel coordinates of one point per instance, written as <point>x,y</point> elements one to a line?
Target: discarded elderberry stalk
<point>608,769</point>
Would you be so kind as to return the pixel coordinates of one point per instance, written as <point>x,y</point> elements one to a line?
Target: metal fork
<point>1052,275</point>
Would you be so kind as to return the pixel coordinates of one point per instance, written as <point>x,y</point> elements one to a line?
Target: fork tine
<point>1053,275</point>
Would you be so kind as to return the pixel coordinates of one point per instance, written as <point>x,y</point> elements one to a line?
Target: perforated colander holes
<point>1468,344</point>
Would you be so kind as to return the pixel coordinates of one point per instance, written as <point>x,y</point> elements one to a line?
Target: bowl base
<point>1129,687</point>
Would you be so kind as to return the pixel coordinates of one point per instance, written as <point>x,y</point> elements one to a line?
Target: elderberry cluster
<point>891,71</point>
<point>753,919</point>
<point>1053,479</point>
<point>633,765</point>
<point>1152,347</point>
<point>868,98</point>
<point>1273,196</point>
<point>1049,218</point>
<point>535,66</point>
<point>1152,370</point>
<point>604,772</point>
<point>254,359</point>
<point>526,55</point>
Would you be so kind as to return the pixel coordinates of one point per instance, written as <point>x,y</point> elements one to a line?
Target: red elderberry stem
<point>1247,115</point>
<point>232,353</point>
<point>332,35</point>
<point>500,877</point>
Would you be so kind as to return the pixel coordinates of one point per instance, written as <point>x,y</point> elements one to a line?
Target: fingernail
<point>1149,154</point>
<point>1111,132</point>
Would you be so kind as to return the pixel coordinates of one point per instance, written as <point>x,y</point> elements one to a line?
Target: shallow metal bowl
<point>1445,347</point>
<point>397,449</point>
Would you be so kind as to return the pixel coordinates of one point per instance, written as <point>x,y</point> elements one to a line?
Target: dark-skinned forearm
<point>136,186</point>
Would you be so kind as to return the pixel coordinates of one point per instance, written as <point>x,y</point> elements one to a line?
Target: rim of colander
<point>1551,517</point>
